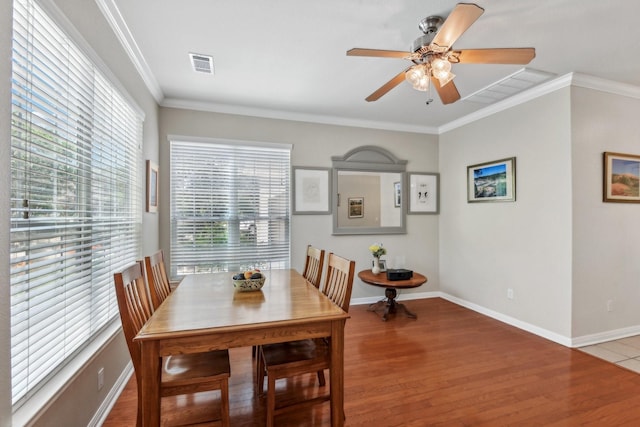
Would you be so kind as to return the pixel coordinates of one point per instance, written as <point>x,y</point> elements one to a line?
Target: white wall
<point>487,248</point>
<point>313,145</point>
<point>606,236</point>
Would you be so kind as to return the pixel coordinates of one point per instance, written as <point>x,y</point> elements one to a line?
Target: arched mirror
<point>368,185</point>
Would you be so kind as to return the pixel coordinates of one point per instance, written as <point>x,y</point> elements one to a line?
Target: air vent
<point>510,85</point>
<point>201,63</point>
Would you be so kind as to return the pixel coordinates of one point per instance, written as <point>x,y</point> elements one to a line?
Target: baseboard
<point>112,397</point>
<point>606,336</point>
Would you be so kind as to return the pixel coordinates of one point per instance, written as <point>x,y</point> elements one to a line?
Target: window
<point>229,206</point>
<point>76,206</point>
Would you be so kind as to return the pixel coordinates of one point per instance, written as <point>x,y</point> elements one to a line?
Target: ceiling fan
<point>432,54</point>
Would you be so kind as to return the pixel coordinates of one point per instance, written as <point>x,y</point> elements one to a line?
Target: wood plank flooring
<point>450,367</point>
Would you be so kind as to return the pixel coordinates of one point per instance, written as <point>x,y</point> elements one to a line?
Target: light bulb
<point>441,69</point>
<point>422,84</point>
<point>414,74</point>
<point>440,65</point>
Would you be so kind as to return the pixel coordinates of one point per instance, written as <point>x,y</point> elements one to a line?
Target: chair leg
<point>224,401</point>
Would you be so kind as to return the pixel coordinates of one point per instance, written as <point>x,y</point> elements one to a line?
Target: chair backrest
<point>135,307</point>
<point>313,265</point>
<point>339,280</point>
<point>159,286</point>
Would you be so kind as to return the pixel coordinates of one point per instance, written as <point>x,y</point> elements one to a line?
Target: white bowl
<point>244,285</point>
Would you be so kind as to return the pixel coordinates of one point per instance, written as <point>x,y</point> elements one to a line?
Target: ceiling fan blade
<point>495,56</point>
<point>448,93</point>
<point>461,18</point>
<point>399,78</point>
<point>356,51</point>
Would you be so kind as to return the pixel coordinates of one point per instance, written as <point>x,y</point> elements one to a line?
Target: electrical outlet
<point>510,293</point>
<point>100,378</point>
<point>610,305</point>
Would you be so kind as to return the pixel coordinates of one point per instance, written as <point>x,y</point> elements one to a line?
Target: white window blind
<point>229,207</point>
<point>76,208</point>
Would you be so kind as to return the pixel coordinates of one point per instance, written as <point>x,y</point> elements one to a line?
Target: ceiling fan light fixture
<point>415,74</point>
<point>423,84</point>
<point>446,79</point>
<point>440,67</point>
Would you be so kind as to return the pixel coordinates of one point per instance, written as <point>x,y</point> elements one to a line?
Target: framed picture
<point>492,181</point>
<point>356,207</point>
<point>310,189</point>
<point>424,193</point>
<point>621,175</point>
<point>397,194</point>
<point>152,186</point>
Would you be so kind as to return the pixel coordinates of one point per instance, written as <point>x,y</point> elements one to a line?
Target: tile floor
<point>624,352</point>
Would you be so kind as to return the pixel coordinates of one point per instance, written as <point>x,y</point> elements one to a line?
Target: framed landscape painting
<point>492,181</point>
<point>621,175</point>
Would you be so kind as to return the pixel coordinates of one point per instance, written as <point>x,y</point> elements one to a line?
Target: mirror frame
<point>369,158</point>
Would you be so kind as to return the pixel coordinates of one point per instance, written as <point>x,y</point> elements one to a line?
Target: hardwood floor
<point>450,367</point>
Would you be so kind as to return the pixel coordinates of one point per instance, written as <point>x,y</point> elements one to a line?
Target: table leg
<point>150,378</point>
<point>391,305</point>
<point>337,373</point>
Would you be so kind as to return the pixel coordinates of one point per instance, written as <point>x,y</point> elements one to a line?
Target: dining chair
<point>159,286</point>
<point>182,374</point>
<point>290,359</point>
<point>313,265</point>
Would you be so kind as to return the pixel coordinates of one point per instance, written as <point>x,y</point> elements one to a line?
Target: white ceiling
<point>287,58</point>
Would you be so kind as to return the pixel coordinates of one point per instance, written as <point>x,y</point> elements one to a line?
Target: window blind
<point>76,199</point>
<point>229,207</point>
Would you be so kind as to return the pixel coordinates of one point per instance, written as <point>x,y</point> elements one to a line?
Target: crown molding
<point>604,85</point>
<point>292,116</point>
<point>112,14</point>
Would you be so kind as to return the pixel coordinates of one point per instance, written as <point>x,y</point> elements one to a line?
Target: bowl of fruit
<point>250,280</point>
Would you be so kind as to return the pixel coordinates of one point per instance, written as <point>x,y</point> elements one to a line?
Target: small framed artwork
<point>382,264</point>
<point>424,193</point>
<point>492,181</point>
<point>152,186</point>
<point>621,176</point>
<point>310,189</point>
<point>356,207</point>
<point>397,194</point>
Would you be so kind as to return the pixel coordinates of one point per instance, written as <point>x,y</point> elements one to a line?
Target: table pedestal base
<point>391,305</point>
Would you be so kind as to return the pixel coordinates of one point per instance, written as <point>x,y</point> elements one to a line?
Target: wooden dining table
<point>205,313</point>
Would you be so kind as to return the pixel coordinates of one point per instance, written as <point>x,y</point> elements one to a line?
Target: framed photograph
<point>152,186</point>
<point>492,181</point>
<point>621,175</point>
<point>397,194</point>
<point>424,193</point>
<point>356,207</point>
<point>310,189</point>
